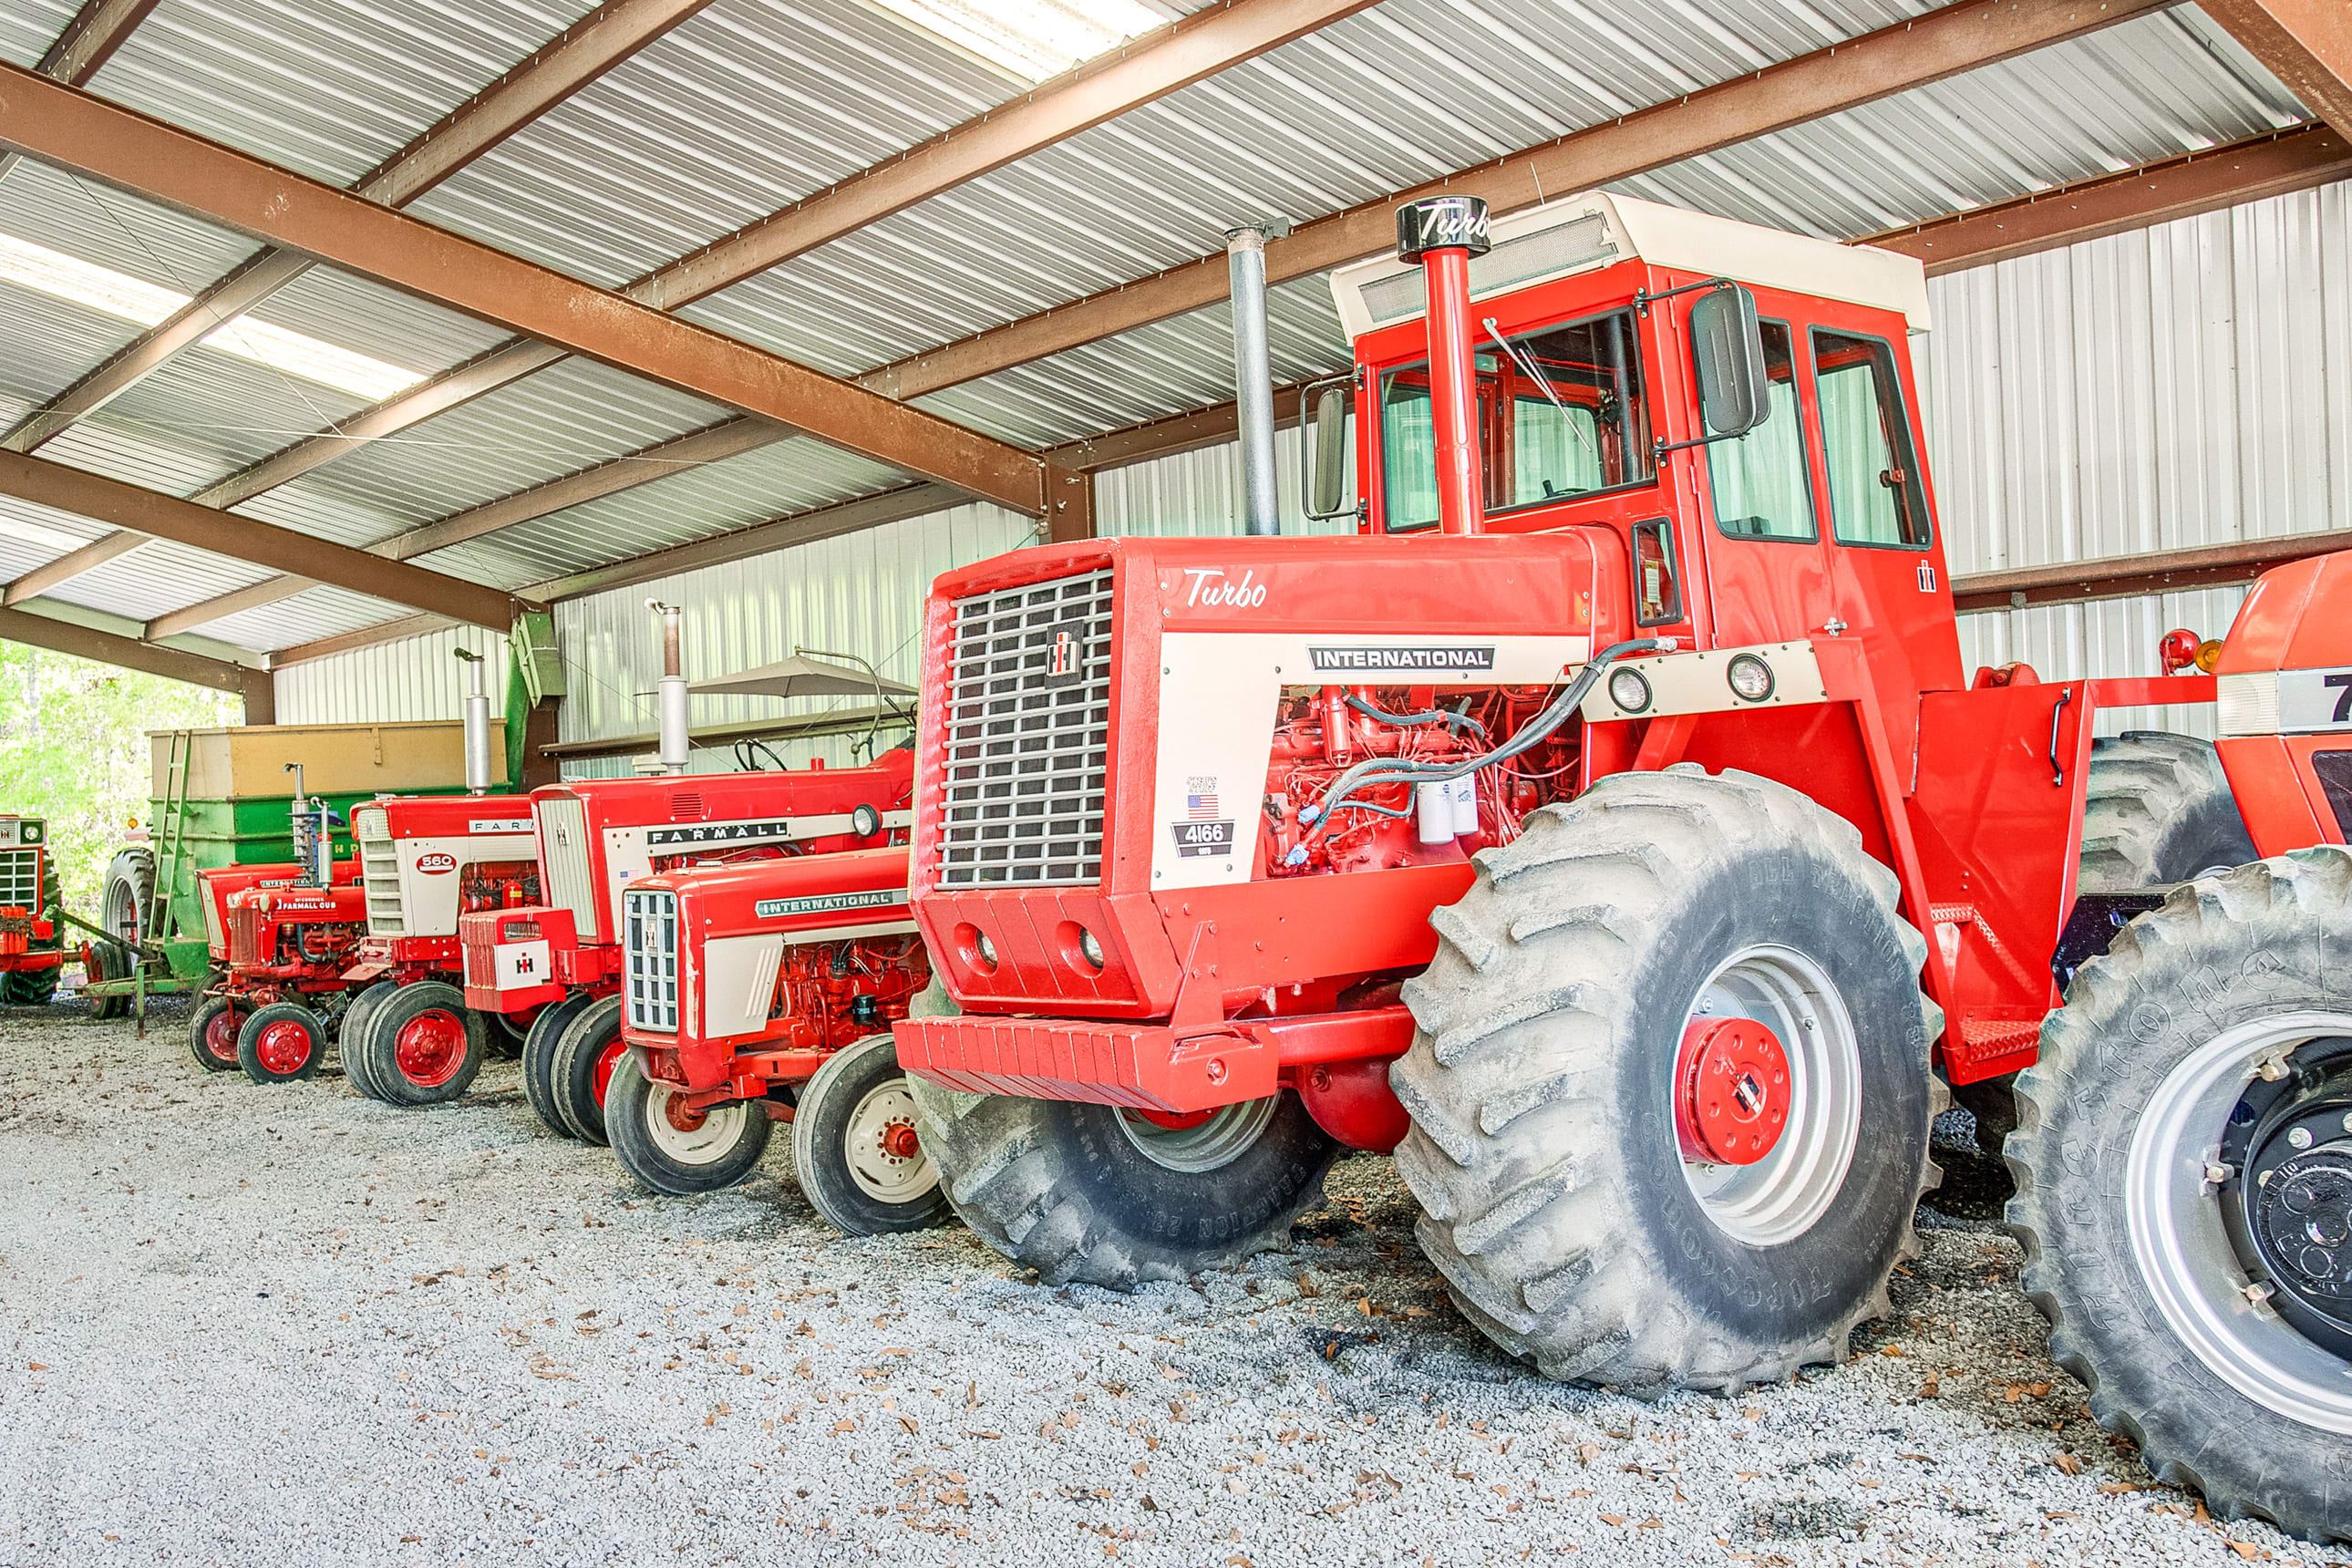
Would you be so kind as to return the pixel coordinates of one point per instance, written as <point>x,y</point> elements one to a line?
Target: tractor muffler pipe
<point>477,725</point>
<point>672,691</point>
<point>1253,372</point>
<point>1442,233</point>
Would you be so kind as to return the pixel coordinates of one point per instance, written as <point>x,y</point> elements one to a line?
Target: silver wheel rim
<point>881,1175</point>
<point>2183,1252</point>
<point>1781,1196</point>
<point>1209,1145</point>
<point>722,1129</point>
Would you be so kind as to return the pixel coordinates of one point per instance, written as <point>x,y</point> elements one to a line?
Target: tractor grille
<point>563,863</point>
<point>1028,735</point>
<point>20,879</point>
<point>380,871</point>
<point>649,983</point>
<point>245,936</point>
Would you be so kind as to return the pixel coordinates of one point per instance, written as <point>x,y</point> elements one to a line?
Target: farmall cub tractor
<point>31,945</point>
<point>1611,831</point>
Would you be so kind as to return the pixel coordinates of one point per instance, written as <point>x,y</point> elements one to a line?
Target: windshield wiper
<point>1543,384</point>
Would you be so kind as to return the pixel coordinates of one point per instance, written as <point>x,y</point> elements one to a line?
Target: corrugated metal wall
<point>2182,385</point>
<point>416,678</point>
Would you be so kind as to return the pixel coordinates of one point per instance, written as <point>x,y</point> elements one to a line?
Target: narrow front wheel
<point>211,1033</point>
<point>855,1147</point>
<point>281,1043</point>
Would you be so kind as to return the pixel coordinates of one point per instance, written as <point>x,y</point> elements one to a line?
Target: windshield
<point>1560,414</point>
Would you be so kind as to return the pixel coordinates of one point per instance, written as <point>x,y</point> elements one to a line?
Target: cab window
<point>1561,414</point>
<point>1875,495</point>
<point>1762,486</point>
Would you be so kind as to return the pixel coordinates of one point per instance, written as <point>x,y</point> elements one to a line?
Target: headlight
<point>865,822</point>
<point>987,951</point>
<point>1090,947</point>
<point>1630,690</point>
<point>1751,678</point>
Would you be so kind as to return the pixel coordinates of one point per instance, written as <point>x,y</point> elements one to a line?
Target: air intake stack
<point>1443,233</point>
<point>477,725</point>
<point>1253,372</point>
<point>671,696</point>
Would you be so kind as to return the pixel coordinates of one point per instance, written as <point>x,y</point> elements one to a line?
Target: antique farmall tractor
<point>31,945</point>
<point>213,1030</point>
<point>562,961</point>
<point>282,990</point>
<point>430,861</point>
<point>1611,831</point>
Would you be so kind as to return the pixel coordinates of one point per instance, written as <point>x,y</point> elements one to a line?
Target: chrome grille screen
<point>1028,735</point>
<point>379,873</point>
<point>564,864</point>
<point>20,879</point>
<point>649,983</point>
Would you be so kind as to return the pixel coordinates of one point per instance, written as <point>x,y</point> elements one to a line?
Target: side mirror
<point>1727,352</point>
<point>1326,464</point>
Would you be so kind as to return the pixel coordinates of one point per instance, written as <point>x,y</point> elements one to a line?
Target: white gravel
<point>290,1325</point>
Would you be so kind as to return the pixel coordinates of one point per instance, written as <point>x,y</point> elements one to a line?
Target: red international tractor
<point>1611,831</point>
<point>212,1029</point>
<point>766,992</point>
<point>430,861</point>
<point>563,958</point>
<point>31,945</point>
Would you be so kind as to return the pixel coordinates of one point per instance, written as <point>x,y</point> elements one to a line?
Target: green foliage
<point>73,750</point>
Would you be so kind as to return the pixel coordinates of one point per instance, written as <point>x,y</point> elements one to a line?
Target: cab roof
<point>1586,232</point>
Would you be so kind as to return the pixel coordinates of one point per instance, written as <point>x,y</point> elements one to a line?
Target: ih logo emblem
<point>1065,656</point>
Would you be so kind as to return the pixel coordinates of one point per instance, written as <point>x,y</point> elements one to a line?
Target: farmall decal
<point>1211,588</point>
<point>437,864</point>
<point>1204,830</point>
<point>1368,659</point>
<point>719,833</point>
<point>499,825</point>
<point>876,899</point>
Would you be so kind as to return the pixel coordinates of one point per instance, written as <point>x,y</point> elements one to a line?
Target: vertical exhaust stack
<point>1443,233</point>
<point>672,691</point>
<point>1253,372</point>
<point>477,726</point>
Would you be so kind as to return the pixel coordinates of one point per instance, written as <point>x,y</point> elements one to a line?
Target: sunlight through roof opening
<point>1032,38</point>
<point>64,276</point>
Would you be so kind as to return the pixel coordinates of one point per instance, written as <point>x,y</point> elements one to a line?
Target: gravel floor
<point>247,1325</point>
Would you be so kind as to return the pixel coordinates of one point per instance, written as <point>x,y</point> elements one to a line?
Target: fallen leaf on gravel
<point>991,1436</point>
<point>1615,1519</point>
<point>1752,1413</point>
<point>2245,1549</point>
<point>1931,1389</point>
<point>845,1425</point>
<point>2116,1489</point>
<point>909,1423</point>
<point>1894,1350</point>
<point>36,1367</point>
<point>1587,1452</point>
<point>1306,1286</point>
<point>1650,1524</point>
<point>2068,1463</point>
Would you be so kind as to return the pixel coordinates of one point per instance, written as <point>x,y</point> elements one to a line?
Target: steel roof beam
<point>2306,44</point>
<point>599,41</point>
<point>2152,193</point>
<point>2128,576</point>
<point>161,516</point>
<point>128,653</point>
<point>71,564</point>
<point>1144,69</point>
<point>365,636</point>
<point>222,606</point>
<point>89,41</point>
<point>1945,42</point>
<point>158,163</point>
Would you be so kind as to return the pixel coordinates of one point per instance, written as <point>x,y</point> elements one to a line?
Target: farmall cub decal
<point>1205,830</point>
<point>439,863</point>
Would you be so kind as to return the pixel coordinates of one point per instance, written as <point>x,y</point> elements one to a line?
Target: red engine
<point>830,993</point>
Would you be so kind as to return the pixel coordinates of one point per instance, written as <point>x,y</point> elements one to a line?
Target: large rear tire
<point>675,1152</point>
<point>855,1147</point>
<point>2157,809</point>
<point>2150,1079</point>
<point>1106,1197</point>
<point>1551,1067</point>
<point>424,1044</point>
<point>352,1037</point>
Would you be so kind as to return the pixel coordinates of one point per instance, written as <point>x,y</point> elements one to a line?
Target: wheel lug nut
<point>2300,1137</point>
<point>2217,1173</point>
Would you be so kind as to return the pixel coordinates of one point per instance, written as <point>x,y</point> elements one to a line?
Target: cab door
<point>1768,564</point>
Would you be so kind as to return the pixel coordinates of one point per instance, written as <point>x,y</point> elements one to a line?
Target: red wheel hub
<point>1731,1091</point>
<point>684,1117</point>
<point>607,1060</point>
<point>283,1045</point>
<point>1175,1121</point>
<point>898,1141</point>
<point>220,1034</point>
<point>430,1049</point>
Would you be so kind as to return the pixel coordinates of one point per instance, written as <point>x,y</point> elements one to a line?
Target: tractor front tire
<point>281,1043</point>
<point>1553,1059</point>
<point>539,1058</point>
<point>680,1155</point>
<point>213,1026</point>
<point>588,1055</point>
<point>110,961</point>
<point>1102,1195</point>
<point>2157,809</point>
<point>854,1148</point>
<point>2211,1037</point>
<point>424,1044</point>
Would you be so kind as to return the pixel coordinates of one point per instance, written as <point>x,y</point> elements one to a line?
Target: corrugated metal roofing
<point>755,103</point>
<point>29,28</point>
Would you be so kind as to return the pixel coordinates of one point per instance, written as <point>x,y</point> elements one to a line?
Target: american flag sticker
<point>1204,830</point>
<point>1200,807</point>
